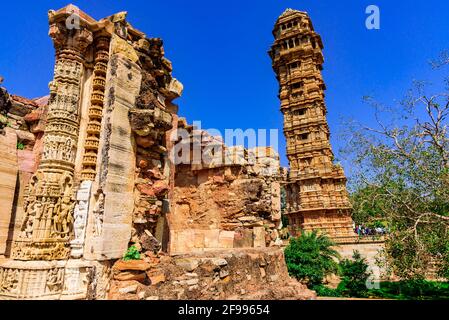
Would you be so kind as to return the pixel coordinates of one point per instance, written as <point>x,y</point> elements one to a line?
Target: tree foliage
<point>402,176</point>
<point>310,258</point>
<point>354,274</point>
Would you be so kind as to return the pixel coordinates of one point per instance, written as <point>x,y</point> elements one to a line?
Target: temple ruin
<point>89,171</point>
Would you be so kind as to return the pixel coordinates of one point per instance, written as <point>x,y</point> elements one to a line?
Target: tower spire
<point>316,188</point>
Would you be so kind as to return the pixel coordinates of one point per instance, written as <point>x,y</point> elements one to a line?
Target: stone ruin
<point>233,201</point>
<point>87,171</point>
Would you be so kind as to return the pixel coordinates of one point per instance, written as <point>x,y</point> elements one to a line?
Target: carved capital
<point>58,33</point>
<point>82,39</point>
<point>102,43</point>
<point>73,39</point>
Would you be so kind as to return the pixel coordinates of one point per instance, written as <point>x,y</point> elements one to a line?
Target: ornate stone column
<point>96,109</point>
<point>91,144</point>
<point>48,222</point>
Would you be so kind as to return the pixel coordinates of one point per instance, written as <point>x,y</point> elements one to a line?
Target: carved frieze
<point>44,280</point>
<point>80,218</point>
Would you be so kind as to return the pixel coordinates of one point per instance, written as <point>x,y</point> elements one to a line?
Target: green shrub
<point>310,258</point>
<point>323,291</point>
<point>132,254</point>
<point>354,274</point>
<point>20,146</point>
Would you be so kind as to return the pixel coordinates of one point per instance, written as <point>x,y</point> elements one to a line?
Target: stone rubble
<point>237,274</point>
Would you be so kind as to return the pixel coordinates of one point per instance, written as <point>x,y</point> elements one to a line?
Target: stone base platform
<point>245,274</point>
<point>47,280</point>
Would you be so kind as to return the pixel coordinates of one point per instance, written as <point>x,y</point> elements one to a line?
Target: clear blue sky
<point>219,51</point>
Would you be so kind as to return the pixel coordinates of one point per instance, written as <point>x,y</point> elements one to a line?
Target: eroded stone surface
<point>238,274</point>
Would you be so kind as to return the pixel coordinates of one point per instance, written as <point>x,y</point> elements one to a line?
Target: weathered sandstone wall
<point>230,202</point>
<point>8,174</point>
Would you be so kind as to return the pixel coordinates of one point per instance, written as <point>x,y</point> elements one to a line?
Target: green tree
<point>402,175</point>
<point>310,258</point>
<point>366,209</point>
<point>354,274</point>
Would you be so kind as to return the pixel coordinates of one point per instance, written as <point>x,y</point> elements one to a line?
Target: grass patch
<point>412,290</point>
<point>401,290</point>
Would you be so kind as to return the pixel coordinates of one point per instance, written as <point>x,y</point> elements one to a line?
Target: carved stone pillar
<point>91,144</point>
<point>96,109</point>
<point>111,207</point>
<point>48,222</point>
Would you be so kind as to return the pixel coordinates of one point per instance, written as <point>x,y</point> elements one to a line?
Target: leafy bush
<point>354,274</point>
<point>323,291</point>
<point>132,254</point>
<point>20,146</point>
<point>310,258</point>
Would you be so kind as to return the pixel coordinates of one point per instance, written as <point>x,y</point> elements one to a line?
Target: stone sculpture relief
<point>80,218</point>
<point>55,279</point>
<point>9,279</point>
<point>98,213</point>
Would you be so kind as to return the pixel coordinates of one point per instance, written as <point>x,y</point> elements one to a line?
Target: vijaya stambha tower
<point>317,198</point>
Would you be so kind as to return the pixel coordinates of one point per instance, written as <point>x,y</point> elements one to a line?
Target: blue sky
<point>219,52</point>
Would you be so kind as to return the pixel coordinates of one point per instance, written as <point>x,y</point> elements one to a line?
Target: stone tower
<point>316,188</point>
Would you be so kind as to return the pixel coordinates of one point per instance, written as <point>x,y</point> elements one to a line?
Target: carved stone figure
<point>79,222</point>
<point>55,279</point>
<point>63,219</point>
<point>98,214</point>
<point>80,218</point>
<point>8,280</point>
